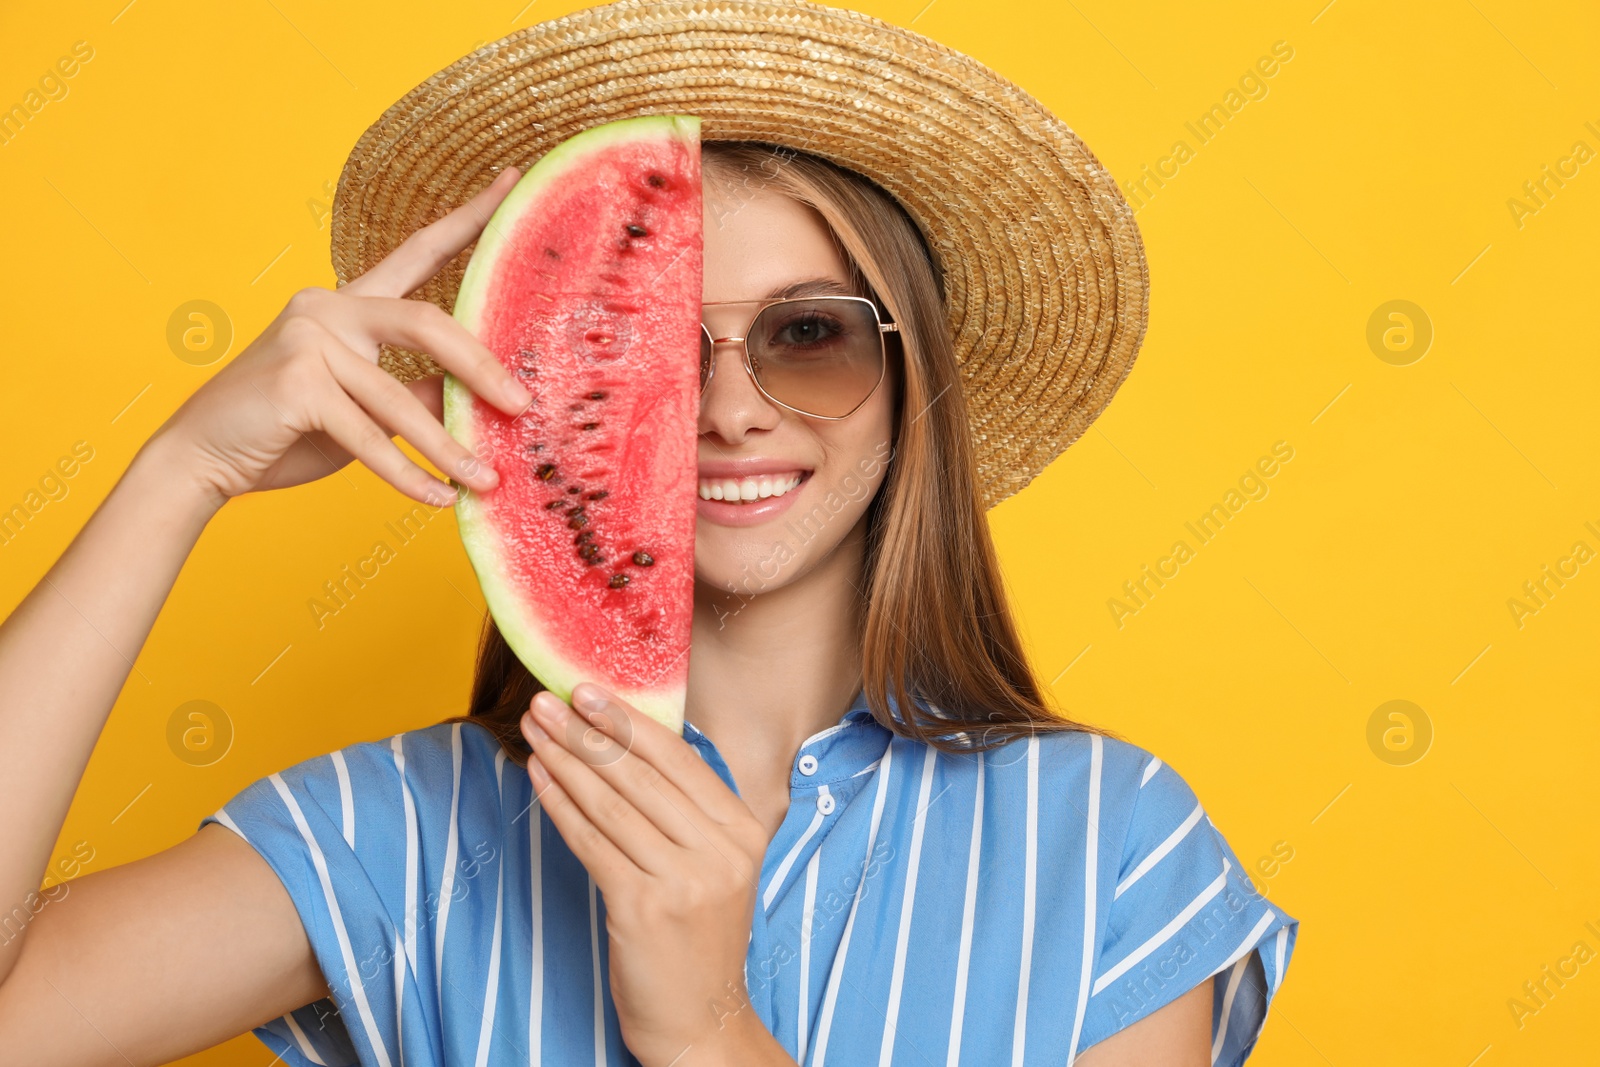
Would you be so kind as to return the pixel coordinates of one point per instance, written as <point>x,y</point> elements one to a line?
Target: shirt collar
<point>857,712</point>
<point>842,750</point>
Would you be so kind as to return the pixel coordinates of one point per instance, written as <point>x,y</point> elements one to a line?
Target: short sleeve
<point>348,883</point>
<point>1182,910</point>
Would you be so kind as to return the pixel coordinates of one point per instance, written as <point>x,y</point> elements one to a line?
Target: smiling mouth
<point>748,490</point>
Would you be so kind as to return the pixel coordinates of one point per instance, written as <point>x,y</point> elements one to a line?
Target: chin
<point>746,561</point>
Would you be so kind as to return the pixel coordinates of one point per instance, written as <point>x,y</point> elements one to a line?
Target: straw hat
<point>1045,277</point>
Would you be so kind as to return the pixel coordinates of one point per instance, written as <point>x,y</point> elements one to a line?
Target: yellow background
<point>186,162</point>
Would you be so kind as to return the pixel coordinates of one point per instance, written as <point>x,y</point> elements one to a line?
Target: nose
<point>730,403</point>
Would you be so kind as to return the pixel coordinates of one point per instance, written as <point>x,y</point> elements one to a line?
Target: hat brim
<point>1046,284</point>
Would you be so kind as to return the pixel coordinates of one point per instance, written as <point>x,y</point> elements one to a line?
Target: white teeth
<point>755,488</point>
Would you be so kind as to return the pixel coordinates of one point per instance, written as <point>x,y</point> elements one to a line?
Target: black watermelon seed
<point>545,471</point>
<point>575,407</point>
<point>552,253</point>
<point>578,522</point>
<point>598,494</point>
<point>578,510</point>
<point>591,426</point>
<point>574,488</point>
<point>587,535</point>
<point>643,558</point>
<point>597,396</point>
<point>618,581</point>
<point>656,180</point>
<point>556,503</point>
<point>635,230</point>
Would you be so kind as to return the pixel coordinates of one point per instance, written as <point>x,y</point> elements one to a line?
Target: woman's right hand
<point>307,396</point>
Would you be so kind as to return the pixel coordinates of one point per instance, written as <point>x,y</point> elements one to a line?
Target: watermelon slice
<point>586,283</point>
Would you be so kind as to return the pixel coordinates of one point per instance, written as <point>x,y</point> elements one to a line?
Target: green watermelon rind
<point>555,672</point>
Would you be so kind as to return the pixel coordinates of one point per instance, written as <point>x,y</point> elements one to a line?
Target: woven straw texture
<point>1045,277</point>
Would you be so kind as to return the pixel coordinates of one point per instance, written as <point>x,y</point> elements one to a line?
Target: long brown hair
<point>937,631</point>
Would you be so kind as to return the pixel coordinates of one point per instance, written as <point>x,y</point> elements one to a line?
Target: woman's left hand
<point>677,856</point>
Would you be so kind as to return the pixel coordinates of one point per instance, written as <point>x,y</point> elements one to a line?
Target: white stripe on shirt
<point>1227,1009</point>
<point>1249,940</point>
<point>347,954</point>
<point>411,853</point>
<point>1161,850</point>
<point>347,807</point>
<point>492,986</point>
<point>1091,881</point>
<point>969,905</point>
<point>300,1039</point>
<point>782,872</point>
<point>836,975</point>
<point>447,877</point>
<point>1019,1033</point>
<point>536,981</point>
<point>908,900</point>
<point>1150,771</point>
<point>594,957</point>
<point>1161,936</point>
<point>807,909</point>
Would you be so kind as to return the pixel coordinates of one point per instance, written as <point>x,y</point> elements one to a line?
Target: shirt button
<point>825,803</point>
<point>808,764</point>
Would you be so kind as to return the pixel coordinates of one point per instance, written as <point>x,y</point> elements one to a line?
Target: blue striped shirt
<point>915,907</point>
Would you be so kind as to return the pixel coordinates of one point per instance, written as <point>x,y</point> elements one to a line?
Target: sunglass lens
<point>706,352</point>
<point>822,355</point>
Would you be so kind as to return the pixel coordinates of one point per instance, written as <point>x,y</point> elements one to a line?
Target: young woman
<point>873,839</point>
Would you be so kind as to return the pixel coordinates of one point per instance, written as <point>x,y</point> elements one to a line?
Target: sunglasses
<point>821,356</point>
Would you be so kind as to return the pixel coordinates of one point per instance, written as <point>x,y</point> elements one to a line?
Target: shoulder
<point>1144,808</point>
<point>1171,904</point>
<point>1124,781</point>
<point>379,783</point>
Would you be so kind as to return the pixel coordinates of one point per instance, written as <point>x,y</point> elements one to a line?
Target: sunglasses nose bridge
<point>708,362</point>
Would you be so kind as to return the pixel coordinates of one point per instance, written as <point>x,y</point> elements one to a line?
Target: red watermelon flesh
<point>586,283</point>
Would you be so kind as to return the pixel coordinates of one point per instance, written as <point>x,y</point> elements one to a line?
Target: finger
<point>671,813</point>
<point>603,860</point>
<point>576,800</point>
<point>423,254</point>
<point>342,419</point>
<point>633,832</point>
<point>429,392</point>
<point>425,327</point>
<point>664,750</point>
<point>398,410</point>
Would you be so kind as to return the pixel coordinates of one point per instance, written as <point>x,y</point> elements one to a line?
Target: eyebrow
<point>811,287</point>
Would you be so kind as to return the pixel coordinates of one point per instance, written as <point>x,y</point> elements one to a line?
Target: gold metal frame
<point>883,363</point>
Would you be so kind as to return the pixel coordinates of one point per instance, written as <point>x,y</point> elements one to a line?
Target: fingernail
<point>515,393</point>
<point>590,701</point>
<point>482,473</point>
<point>534,728</point>
<point>548,707</point>
<point>540,776</point>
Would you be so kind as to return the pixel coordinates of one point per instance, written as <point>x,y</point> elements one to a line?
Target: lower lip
<point>752,514</point>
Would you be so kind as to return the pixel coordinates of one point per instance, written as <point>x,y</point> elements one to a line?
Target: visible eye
<point>808,329</point>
